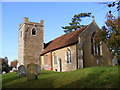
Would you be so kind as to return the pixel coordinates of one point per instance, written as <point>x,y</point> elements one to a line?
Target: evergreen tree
<point>75,22</point>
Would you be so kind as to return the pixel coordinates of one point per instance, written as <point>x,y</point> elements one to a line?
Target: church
<point>70,51</point>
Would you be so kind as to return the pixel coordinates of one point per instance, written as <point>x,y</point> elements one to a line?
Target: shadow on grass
<point>48,72</point>
<point>9,78</point>
<point>92,80</point>
<point>39,83</point>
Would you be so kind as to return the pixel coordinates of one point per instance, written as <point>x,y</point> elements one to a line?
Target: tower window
<point>33,31</point>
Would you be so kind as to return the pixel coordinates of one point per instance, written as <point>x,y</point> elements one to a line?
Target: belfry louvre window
<point>69,56</point>
<point>96,49</point>
<point>33,31</point>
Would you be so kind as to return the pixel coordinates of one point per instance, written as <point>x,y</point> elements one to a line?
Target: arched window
<point>69,56</point>
<point>93,45</point>
<point>33,31</point>
<point>55,58</point>
<point>46,59</point>
<point>96,49</point>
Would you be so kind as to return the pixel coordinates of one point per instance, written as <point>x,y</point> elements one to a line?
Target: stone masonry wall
<point>21,45</point>
<point>88,58</point>
<point>33,44</point>
<point>61,54</point>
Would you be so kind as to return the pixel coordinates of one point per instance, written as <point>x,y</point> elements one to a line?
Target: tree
<point>5,66</point>
<point>13,64</point>
<point>75,22</point>
<point>116,3</point>
<point>110,33</point>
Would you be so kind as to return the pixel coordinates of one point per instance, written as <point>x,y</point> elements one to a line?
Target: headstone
<point>21,71</point>
<point>114,61</point>
<point>32,71</point>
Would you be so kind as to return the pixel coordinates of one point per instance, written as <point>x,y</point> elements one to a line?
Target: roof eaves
<point>58,48</point>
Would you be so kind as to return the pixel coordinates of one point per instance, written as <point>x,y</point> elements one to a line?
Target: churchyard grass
<point>92,77</point>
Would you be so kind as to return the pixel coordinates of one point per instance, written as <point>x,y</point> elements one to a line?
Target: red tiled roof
<point>64,40</point>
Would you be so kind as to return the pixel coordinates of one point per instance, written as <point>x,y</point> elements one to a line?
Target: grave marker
<point>21,71</point>
<point>32,71</point>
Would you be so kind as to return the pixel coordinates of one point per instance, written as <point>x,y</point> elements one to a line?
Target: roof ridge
<point>64,40</point>
<point>69,33</point>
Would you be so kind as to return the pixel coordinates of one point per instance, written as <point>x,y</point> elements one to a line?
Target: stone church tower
<point>30,42</point>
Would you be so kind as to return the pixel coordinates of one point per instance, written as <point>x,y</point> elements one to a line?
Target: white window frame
<point>97,61</point>
<point>101,52</point>
<point>68,56</point>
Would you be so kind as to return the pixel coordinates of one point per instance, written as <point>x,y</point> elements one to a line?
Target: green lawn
<point>93,77</point>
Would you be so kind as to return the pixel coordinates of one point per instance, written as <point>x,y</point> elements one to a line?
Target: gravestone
<point>32,71</point>
<point>21,71</point>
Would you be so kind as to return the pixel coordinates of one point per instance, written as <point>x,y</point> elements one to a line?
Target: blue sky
<point>54,14</point>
